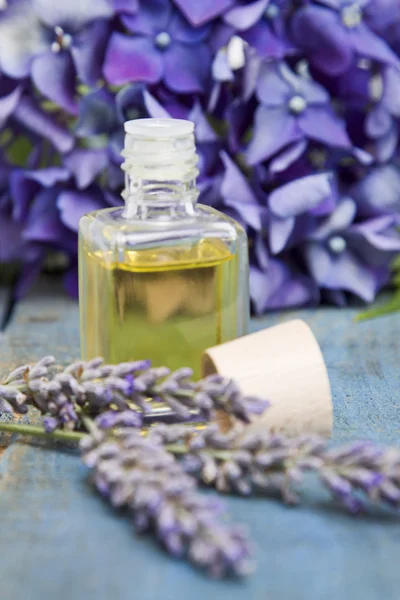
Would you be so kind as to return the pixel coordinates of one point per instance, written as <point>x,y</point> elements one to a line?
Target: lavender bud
<point>16,374</point>
<point>5,407</point>
<point>50,424</point>
<point>126,418</point>
<point>36,372</point>
<point>46,361</point>
<point>94,363</point>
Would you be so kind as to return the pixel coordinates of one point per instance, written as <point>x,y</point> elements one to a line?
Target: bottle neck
<point>160,169</point>
<point>152,198</point>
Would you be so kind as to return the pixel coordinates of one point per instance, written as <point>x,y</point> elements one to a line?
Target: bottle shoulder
<point>110,227</point>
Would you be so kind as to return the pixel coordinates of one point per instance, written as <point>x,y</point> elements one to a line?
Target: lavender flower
<point>140,475</point>
<point>95,388</point>
<point>245,463</point>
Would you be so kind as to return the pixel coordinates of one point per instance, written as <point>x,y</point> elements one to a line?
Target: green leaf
<point>390,306</point>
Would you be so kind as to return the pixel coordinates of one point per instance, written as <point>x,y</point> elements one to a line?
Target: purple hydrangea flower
<point>262,25</point>
<point>199,13</point>
<point>382,120</point>
<point>47,207</point>
<point>54,42</point>
<point>12,245</point>
<point>334,32</point>
<point>293,108</point>
<point>280,284</point>
<point>378,192</point>
<point>344,255</point>
<point>10,94</point>
<point>295,206</point>
<point>165,47</point>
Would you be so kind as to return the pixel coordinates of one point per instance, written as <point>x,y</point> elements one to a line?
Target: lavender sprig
<point>140,475</point>
<point>245,463</point>
<point>95,387</point>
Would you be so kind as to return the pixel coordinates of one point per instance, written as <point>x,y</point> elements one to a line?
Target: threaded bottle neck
<point>160,162</point>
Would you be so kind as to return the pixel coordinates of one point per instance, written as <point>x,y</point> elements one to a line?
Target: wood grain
<point>58,540</point>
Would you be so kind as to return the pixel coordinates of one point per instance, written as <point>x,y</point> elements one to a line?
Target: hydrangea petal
<point>378,122</point>
<point>243,17</point>
<point>288,156</point>
<point>85,164</point>
<point>74,204</point>
<point>272,89</point>
<point>191,76</point>
<point>221,69</point>
<point>347,272</point>
<point>153,107</point>
<point>129,103</point>
<point>318,262</point>
<point>181,31</point>
<point>367,44</point>
<point>88,51</point>
<point>300,195</point>
<point>297,291</point>
<point>260,250</point>
<point>238,194</point>
<point>339,221</point>
<point>391,91</point>
<point>8,103</point>
<point>54,75</point>
<point>198,13</point>
<point>72,15</point>
<point>264,41</point>
<point>319,32</point>
<point>21,37</point>
<point>126,6</point>
<point>280,231</point>
<point>321,124</point>
<point>152,17</point>
<point>131,59</point>
<point>203,130</point>
<point>25,184</point>
<point>311,91</point>
<point>97,114</point>
<point>259,289</point>
<point>274,129</point>
<point>12,243</point>
<point>379,192</point>
<point>386,146</point>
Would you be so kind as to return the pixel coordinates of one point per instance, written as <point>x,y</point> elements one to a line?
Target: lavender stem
<point>32,430</point>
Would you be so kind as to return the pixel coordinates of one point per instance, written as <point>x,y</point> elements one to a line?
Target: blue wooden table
<point>59,541</point>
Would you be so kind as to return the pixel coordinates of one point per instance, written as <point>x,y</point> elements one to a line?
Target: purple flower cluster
<point>138,474</point>
<point>247,463</point>
<point>121,395</point>
<point>296,107</point>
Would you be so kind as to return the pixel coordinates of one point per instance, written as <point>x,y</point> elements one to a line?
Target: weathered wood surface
<point>58,540</point>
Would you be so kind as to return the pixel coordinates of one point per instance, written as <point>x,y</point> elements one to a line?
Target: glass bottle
<point>163,277</point>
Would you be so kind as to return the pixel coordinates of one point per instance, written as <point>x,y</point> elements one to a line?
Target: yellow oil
<point>167,304</point>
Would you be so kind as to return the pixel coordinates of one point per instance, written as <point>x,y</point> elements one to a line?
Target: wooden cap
<point>283,364</point>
